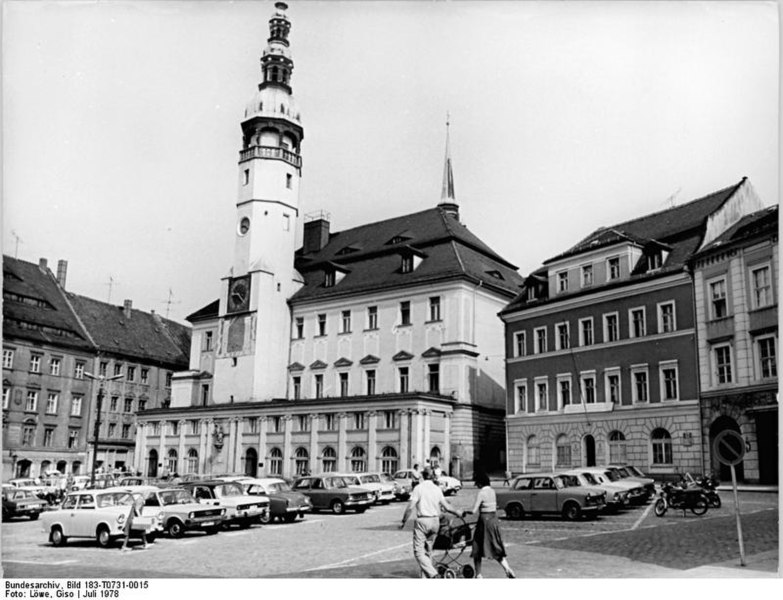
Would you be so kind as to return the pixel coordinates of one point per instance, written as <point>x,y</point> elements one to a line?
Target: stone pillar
<point>237,440</point>
<point>417,438</point>
<point>405,459</point>
<point>162,457</point>
<point>262,425</point>
<point>141,447</point>
<point>342,442</point>
<point>426,420</point>
<point>288,452</point>
<point>181,458</point>
<point>203,445</point>
<point>446,450</point>
<point>313,450</point>
<point>372,442</point>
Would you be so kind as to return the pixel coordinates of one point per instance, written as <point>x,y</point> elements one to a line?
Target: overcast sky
<point>121,123</point>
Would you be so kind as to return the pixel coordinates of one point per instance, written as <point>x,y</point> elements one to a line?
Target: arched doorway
<point>23,468</point>
<point>152,464</point>
<point>45,467</point>
<point>435,457</point>
<point>251,462</point>
<point>589,449</point>
<point>720,424</point>
<point>62,466</point>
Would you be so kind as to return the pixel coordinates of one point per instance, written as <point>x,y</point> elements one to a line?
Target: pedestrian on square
<point>427,499</point>
<point>415,476</point>
<point>486,539</point>
<point>135,511</point>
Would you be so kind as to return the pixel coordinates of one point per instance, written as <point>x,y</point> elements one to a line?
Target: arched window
<point>329,460</point>
<point>435,457</point>
<point>302,461</point>
<point>276,461</point>
<point>171,462</point>
<point>617,454</point>
<point>76,467</point>
<point>45,464</point>
<point>191,466</point>
<point>389,460</point>
<point>562,452</point>
<point>358,462</point>
<point>251,462</point>
<point>661,441</point>
<point>533,462</point>
<point>62,466</point>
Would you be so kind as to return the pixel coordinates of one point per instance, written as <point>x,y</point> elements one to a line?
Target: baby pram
<point>455,536</point>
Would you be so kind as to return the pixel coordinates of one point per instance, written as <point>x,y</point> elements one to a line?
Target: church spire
<point>448,199</point>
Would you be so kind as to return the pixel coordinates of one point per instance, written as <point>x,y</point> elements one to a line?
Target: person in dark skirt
<point>487,542</point>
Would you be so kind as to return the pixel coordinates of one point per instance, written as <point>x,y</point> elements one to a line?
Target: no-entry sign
<point>729,447</point>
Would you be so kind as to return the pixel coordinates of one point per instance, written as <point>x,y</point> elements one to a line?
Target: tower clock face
<point>239,294</point>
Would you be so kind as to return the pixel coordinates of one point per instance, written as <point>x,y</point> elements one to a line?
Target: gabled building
<point>375,347</point>
<point>736,287</point>
<point>602,363</point>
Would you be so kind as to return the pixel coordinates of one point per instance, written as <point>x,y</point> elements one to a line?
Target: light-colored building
<point>376,347</point>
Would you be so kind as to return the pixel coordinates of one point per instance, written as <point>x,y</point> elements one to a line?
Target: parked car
<point>79,482</point>
<point>284,503</point>
<point>332,492</point>
<point>383,491</point>
<point>387,478</point>
<point>633,474</point>
<point>554,493</point>
<point>604,475</point>
<point>29,484</point>
<point>407,479</point>
<point>616,495</point>
<point>449,485</point>
<point>241,509</point>
<point>98,514</point>
<point>20,502</point>
<point>180,512</point>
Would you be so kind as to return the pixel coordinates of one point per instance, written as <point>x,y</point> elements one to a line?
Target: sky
<point>121,123</point>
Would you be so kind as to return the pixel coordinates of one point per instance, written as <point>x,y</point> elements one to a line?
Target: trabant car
<point>604,475</point>
<point>383,491</point>
<point>332,492</point>
<point>180,510</point>
<point>554,493</point>
<point>19,502</point>
<point>284,503</point>
<point>241,509</point>
<point>98,514</point>
<point>616,495</point>
<point>631,473</point>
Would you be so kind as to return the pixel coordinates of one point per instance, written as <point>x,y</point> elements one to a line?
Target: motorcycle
<point>672,496</point>
<point>708,484</point>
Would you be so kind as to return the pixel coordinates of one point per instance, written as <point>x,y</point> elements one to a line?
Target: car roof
<point>264,480</point>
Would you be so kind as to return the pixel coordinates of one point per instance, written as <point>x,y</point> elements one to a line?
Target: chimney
<point>126,309</point>
<point>43,263</point>
<point>62,269</point>
<point>316,232</point>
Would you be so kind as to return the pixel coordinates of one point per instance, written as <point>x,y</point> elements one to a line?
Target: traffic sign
<point>729,447</point>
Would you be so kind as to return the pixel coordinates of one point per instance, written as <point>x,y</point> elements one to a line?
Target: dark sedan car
<point>19,502</point>
<point>330,492</point>
<point>284,503</point>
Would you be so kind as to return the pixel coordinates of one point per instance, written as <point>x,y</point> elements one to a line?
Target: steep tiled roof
<point>145,336</point>
<point>210,311</point>
<point>32,296</point>
<point>371,255</point>
<point>758,223</point>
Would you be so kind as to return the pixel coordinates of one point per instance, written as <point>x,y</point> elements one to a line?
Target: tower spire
<point>448,199</point>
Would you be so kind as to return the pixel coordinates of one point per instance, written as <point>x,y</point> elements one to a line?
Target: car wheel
<point>176,529</point>
<point>151,537</point>
<point>266,518</point>
<point>337,507</point>
<point>103,537</point>
<point>571,511</point>
<point>660,507</point>
<point>290,517</point>
<point>57,537</point>
<point>468,572</point>
<point>515,511</point>
<point>700,507</point>
<point>34,516</point>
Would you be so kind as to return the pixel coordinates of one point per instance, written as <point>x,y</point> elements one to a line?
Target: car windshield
<point>170,497</point>
<point>114,499</point>
<point>370,479</point>
<point>280,486</point>
<point>335,482</point>
<point>635,471</point>
<point>27,483</point>
<point>611,476</point>
<point>302,484</point>
<point>352,480</point>
<point>387,477</point>
<point>622,472</point>
<point>567,481</point>
<point>589,478</point>
<point>228,489</point>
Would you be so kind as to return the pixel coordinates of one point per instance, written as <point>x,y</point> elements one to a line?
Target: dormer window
<point>332,276</point>
<point>397,240</point>
<point>562,282</point>
<point>613,268</point>
<point>409,261</point>
<point>329,279</point>
<point>496,274</point>
<point>587,275</point>
<point>407,264</point>
<point>655,261</point>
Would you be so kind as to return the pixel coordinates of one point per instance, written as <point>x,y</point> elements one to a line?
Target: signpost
<point>729,448</point>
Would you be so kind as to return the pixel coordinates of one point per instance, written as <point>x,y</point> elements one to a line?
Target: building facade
<point>602,363</point>
<point>376,347</point>
<point>736,287</point>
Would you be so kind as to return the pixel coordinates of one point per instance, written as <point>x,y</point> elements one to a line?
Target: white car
<point>384,490</point>
<point>616,495</point>
<point>241,509</point>
<point>604,475</point>
<point>179,509</point>
<point>98,514</point>
<point>449,485</point>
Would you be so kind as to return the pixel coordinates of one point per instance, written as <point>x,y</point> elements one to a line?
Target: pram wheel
<point>449,574</point>
<point>467,572</point>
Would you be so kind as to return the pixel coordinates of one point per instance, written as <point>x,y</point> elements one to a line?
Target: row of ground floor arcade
<point>20,463</point>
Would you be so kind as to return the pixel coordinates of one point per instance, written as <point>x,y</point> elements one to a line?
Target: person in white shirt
<point>486,539</point>
<point>427,499</point>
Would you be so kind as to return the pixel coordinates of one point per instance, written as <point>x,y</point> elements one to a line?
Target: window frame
<point>8,358</point>
<point>537,383</point>
<point>582,336</point>
<point>52,403</point>
<point>318,385</point>
<point>520,344</point>
<point>321,320</point>
<point>405,313</point>
<point>613,372</point>
<point>586,377</point>
<point>372,318</point>
<point>711,298</point>
<point>632,322</point>
<point>77,400</point>
<point>666,449</point>
<point>537,338</point>
<point>717,365</point>
<point>607,329</point>
<point>610,262</point>
<point>562,281</point>
<point>520,400</point>
<point>770,293</point>
<point>558,335</point>
<point>435,309</point>
<point>663,366</point>
<point>661,317</point>
<point>403,379</point>
<point>586,270</point>
<point>638,370</point>
<point>345,321</point>
<point>567,379</point>
<point>757,342</point>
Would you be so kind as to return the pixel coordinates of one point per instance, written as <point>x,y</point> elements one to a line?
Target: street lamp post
<point>101,379</point>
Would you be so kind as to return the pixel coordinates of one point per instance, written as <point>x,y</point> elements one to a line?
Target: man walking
<point>428,500</point>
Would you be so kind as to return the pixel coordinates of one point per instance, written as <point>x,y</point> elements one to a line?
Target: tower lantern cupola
<point>276,63</point>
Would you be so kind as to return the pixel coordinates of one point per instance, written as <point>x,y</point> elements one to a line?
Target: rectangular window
<point>299,328</point>
<point>637,321</point>
<point>168,379</point>
<point>540,334</point>
<point>173,428</point>
<point>586,332</point>
<point>520,397</point>
<point>297,385</point>
<point>113,402</point>
<point>31,404</point>
<point>370,381</point>
<point>245,176</point>
<point>319,385</point>
<point>640,389</point>
<point>142,404</point>
<point>762,287</point>
<point>78,370</point>
<point>330,278</point>
<point>128,405</point>
<point>343,384</point>
<point>52,400</point>
<point>286,222</point>
<point>718,302</point>
<point>112,430</point>
<point>289,180</point>
<point>204,394</point>
<point>322,324</point>
<point>669,387</point>
<point>666,322</point>
<point>126,431</point>
<point>208,341</point>
<point>723,364</point>
<point>76,405</point>
<point>767,357</point>
<point>345,320</point>
<point>433,378</point>
<point>564,386</point>
<point>35,363</point>
<point>519,344</point>
<point>358,420</point>
<point>404,379</point>
<point>330,423</point>
<point>542,395</point>
<point>73,438</point>
<point>194,427</point>
<point>611,327</point>
<point>588,388</point>
<point>303,422</point>
<point>613,268</point>
<point>435,308</point>
<point>587,275</point>
<point>102,368</point>
<point>54,366</point>
<point>6,397</point>
<point>407,263</point>
<point>145,376</point>
<point>562,282</point>
<point>372,317</point>
<point>8,358</point>
<point>613,387</point>
<point>117,369</point>
<point>28,435</point>
<point>405,313</point>
<point>390,419</point>
<point>131,373</point>
<point>277,424</point>
<point>563,338</point>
